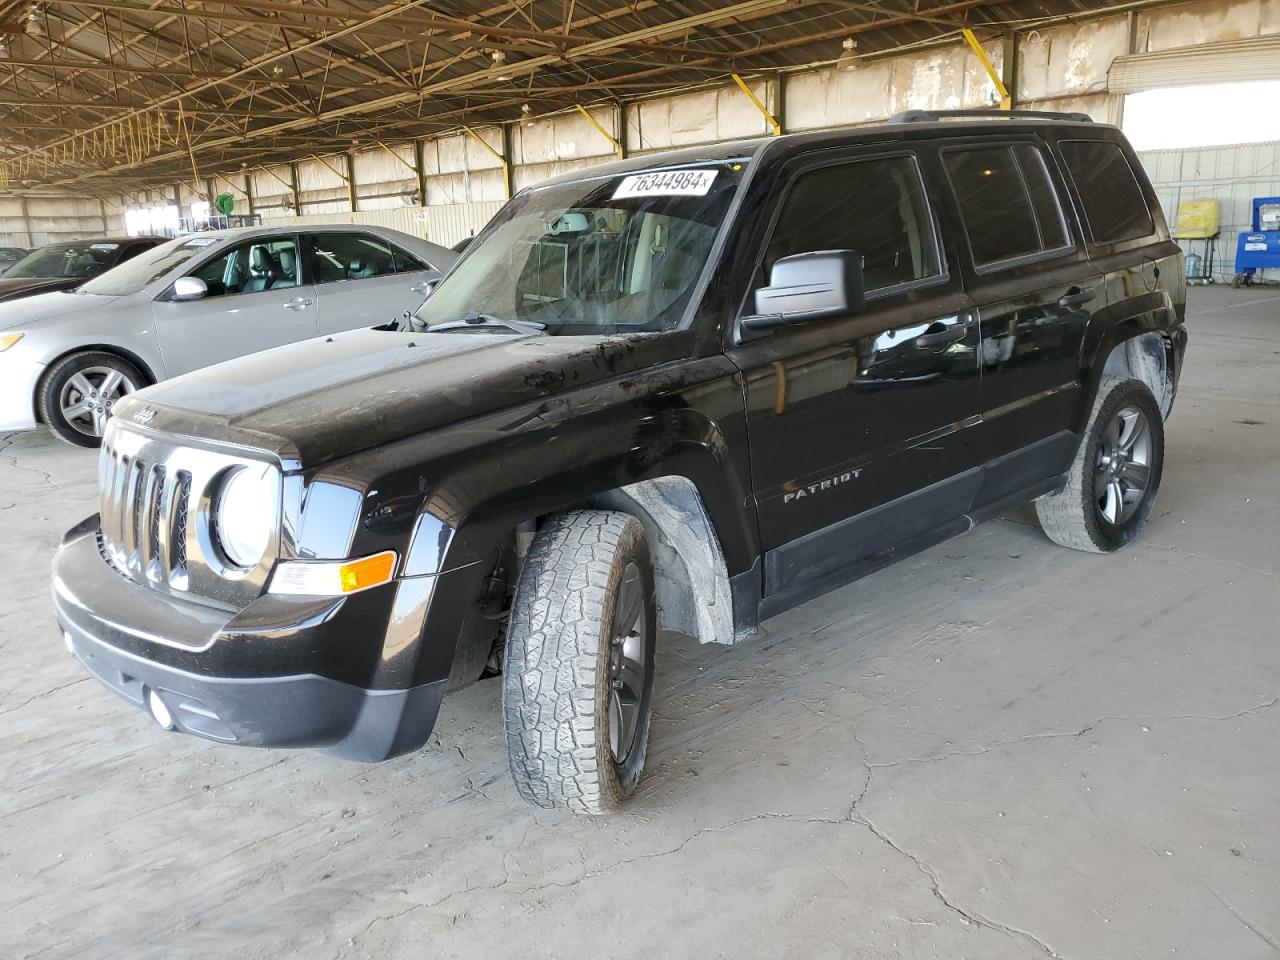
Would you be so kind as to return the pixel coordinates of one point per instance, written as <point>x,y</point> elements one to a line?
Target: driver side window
<point>267,263</point>
<point>875,208</point>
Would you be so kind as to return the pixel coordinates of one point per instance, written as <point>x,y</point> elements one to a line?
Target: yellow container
<point>1197,220</point>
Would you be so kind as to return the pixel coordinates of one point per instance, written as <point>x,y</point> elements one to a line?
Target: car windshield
<point>605,255</point>
<point>148,267</point>
<point>65,260</point>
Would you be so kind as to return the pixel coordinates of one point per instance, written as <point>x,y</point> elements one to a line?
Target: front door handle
<point>1076,296</point>
<point>950,334</point>
<point>422,287</point>
<point>298,303</point>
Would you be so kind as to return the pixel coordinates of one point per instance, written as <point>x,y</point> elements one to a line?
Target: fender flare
<point>454,512</point>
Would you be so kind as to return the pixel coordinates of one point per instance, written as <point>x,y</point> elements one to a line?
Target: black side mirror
<point>809,286</point>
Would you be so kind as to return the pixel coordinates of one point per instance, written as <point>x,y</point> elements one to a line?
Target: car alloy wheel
<point>88,396</point>
<point>1123,470</point>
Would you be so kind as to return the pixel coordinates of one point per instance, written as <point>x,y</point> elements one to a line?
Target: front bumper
<point>18,379</point>
<point>135,640</point>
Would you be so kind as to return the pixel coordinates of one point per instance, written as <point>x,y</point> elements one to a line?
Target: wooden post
<point>780,108</point>
<point>420,166</point>
<point>351,180</point>
<point>26,219</point>
<point>1009,68</point>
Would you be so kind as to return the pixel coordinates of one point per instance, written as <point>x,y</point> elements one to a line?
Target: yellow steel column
<point>506,164</point>
<point>617,146</point>
<point>764,111</point>
<point>981,53</point>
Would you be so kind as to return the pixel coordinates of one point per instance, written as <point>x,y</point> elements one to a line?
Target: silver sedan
<point>66,358</point>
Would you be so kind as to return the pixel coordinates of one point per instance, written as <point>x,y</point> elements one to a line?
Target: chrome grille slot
<point>155,501</point>
<point>178,543</point>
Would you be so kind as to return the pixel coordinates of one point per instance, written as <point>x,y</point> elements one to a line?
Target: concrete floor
<point>996,749</point>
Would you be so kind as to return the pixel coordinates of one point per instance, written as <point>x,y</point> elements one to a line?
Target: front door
<point>256,299</point>
<point>861,426</point>
<point>1036,289</point>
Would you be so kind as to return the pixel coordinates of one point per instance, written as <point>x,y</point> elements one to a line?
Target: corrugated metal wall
<point>1231,175</point>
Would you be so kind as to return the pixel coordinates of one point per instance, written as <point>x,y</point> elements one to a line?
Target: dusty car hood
<point>332,396</point>
<point>48,306</point>
<point>12,288</point>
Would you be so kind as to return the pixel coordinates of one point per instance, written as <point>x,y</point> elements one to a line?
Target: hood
<point>11,288</point>
<point>47,306</point>
<point>332,396</point>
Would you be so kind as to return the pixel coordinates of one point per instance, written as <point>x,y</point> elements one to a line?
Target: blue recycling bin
<point>1259,248</point>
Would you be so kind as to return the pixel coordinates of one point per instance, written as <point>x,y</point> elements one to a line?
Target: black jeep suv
<point>680,392</point>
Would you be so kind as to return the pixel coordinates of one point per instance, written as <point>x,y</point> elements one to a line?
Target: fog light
<point>159,712</point>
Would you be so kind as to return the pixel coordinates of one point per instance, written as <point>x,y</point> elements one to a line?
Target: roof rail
<point>929,116</point>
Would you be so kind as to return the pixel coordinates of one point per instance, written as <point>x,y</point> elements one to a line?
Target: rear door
<point>256,300</point>
<point>1027,270</point>
<point>861,426</point>
<point>1128,237</point>
<point>362,280</point>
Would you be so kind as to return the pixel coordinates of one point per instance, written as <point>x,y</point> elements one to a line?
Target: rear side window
<point>1109,192</point>
<point>406,262</point>
<point>351,256</point>
<point>873,207</point>
<point>1008,203</point>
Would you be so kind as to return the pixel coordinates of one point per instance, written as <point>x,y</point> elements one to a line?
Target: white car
<point>67,357</point>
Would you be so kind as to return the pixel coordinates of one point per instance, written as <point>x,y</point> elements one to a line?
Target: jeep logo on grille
<point>144,416</point>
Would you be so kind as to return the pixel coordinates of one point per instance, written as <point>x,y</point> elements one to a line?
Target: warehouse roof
<point>129,91</point>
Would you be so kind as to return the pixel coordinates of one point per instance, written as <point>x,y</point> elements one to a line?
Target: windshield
<point>607,255</point>
<point>147,267</point>
<point>65,260</point>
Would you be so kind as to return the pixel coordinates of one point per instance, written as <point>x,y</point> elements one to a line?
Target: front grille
<point>155,501</point>
<point>143,511</point>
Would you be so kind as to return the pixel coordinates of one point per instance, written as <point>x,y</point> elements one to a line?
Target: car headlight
<point>247,513</point>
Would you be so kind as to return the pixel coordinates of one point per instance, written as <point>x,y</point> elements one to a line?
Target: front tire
<point>1115,477</point>
<point>578,673</point>
<point>78,393</point>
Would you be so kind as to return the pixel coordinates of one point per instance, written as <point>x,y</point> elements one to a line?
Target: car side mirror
<point>189,288</point>
<point>807,287</point>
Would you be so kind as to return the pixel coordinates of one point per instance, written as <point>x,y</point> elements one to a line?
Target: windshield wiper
<point>488,320</point>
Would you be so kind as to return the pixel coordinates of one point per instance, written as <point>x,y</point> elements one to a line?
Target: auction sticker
<point>668,183</point>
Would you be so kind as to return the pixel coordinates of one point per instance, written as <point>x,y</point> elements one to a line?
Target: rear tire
<point>1115,477</point>
<point>78,392</point>
<point>578,673</point>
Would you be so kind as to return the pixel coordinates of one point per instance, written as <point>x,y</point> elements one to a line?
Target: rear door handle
<point>951,334</point>
<point>298,303</point>
<point>1076,296</point>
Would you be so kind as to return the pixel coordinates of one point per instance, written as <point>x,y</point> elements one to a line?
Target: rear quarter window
<point>1114,206</point>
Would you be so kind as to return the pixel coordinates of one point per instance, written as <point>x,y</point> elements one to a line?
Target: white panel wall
<point>51,219</point>
<point>1231,175</point>
<point>445,224</point>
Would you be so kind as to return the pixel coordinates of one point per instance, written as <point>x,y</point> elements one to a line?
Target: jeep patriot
<point>678,393</point>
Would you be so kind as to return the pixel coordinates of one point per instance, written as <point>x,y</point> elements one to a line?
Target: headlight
<point>8,340</point>
<point>246,516</point>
